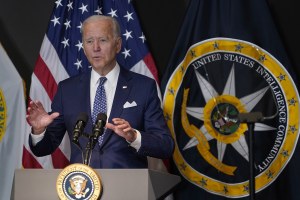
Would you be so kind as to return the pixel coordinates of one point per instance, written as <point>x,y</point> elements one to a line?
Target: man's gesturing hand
<point>38,118</point>
<point>122,128</point>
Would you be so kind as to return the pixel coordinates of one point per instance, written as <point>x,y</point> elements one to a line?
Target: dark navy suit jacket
<point>73,98</point>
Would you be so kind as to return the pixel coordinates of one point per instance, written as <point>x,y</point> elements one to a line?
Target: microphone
<point>79,126</point>
<point>93,138</point>
<point>253,117</point>
<point>99,126</point>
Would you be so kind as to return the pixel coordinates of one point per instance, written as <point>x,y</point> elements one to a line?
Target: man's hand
<point>38,118</point>
<point>123,129</point>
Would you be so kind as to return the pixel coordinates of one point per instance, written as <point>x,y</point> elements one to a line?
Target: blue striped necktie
<point>99,103</point>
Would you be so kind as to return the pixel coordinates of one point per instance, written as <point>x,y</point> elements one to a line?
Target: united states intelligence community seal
<point>217,80</point>
<point>78,182</point>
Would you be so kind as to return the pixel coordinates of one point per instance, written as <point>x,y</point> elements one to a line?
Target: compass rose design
<point>221,111</point>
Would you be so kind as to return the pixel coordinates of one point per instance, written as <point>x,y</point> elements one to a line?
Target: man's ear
<point>119,44</point>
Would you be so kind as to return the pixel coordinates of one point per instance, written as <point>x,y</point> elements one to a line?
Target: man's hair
<point>115,24</point>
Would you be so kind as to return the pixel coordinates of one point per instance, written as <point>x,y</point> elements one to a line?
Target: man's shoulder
<point>136,76</point>
<point>77,78</point>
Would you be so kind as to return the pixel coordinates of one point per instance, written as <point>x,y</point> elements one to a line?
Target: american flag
<point>62,56</point>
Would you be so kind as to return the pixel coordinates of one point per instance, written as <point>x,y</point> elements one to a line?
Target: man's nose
<point>97,45</point>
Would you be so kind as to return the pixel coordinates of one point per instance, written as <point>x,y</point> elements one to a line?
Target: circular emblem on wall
<point>216,81</point>
<point>78,182</point>
<point>2,115</point>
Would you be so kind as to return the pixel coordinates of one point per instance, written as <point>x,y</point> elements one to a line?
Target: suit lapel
<point>124,86</point>
<point>84,89</point>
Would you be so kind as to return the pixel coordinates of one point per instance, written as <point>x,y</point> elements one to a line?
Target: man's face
<point>100,45</point>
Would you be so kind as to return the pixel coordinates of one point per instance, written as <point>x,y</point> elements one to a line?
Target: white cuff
<point>37,138</point>
<point>137,142</point>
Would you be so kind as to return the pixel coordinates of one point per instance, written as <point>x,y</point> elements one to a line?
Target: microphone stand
<point>88,149</point>
<point>88,153</point>
<point>251,119</point>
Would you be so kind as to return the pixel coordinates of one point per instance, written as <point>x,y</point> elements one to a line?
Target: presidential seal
<point>2,115</point>
<point>78,182</point>
<point>216,81</point>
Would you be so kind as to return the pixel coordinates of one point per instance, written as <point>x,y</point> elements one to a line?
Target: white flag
<point>12,123</point>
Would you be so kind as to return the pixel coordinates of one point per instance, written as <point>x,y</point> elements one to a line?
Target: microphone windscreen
<point>83,117</point>
<point>102,117</point>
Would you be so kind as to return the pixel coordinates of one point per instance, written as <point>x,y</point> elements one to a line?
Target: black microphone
<point>99,126</point>
<point>253,117</point>
<point>93,138</point>
<point>79,126</point>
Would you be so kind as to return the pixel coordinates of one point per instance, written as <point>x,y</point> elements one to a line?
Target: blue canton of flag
<point>64,32</point>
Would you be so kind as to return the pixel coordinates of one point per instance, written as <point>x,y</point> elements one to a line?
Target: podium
<point>117,184</point>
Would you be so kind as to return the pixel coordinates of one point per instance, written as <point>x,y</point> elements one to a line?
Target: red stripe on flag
<point>28,161</point>
<point>59,160</point>
<point>148,59</point>
<point>46,78</point>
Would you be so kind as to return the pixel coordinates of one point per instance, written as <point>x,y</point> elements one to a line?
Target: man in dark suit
<point>135,128</point>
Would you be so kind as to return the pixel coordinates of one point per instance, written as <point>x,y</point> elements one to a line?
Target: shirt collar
<point>112,76</point>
